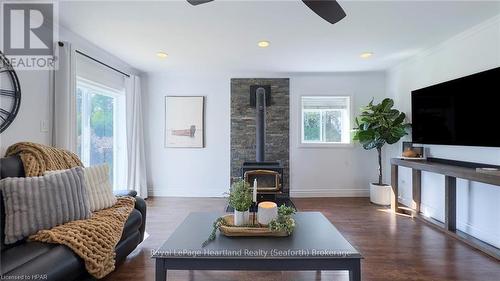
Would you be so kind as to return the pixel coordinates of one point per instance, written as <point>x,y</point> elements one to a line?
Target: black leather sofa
<point>43,261</point>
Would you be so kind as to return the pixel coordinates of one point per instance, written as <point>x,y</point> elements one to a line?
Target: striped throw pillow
<point>36,203</point>
<point>98,186</point>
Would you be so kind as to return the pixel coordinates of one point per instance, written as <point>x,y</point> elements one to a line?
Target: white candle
<point>254,190</point>
<point>268,211</point>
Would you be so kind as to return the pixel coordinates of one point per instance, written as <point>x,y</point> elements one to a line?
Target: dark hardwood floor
<point>394,247</point>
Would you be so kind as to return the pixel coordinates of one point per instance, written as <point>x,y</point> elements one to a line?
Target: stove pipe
<point>260,119</point>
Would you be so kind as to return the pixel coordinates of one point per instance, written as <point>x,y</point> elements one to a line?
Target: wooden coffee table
<point>315,245</point>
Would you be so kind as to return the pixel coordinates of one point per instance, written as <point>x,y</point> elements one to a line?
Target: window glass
<point>326,119</point>
<point>312,126</point>
<point>97,128</point>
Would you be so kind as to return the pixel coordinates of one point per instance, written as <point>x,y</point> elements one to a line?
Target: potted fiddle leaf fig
<point>240,198</point>
<point>377,125</point>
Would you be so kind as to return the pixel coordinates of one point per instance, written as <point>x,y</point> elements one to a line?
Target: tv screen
<point>464,111</point>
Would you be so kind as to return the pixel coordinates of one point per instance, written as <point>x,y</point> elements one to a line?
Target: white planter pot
<point>241,218</point>
<point>380,194</point>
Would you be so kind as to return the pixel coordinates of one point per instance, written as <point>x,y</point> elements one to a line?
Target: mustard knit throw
<point>38,158</point>
<point>94,240</point>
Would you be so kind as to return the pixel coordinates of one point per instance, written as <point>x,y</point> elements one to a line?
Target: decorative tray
<point>228,229</point>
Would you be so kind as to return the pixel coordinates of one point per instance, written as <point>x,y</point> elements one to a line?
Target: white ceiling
<point>223,34</point>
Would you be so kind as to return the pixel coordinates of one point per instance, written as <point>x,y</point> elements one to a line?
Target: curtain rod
<point>98,61</point>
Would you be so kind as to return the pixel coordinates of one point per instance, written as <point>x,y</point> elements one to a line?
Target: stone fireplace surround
<point>243,130</point>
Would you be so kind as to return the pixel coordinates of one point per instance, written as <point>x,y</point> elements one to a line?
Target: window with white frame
<point>99,130</point>
<point>100,119</point>
<point>326,120</point>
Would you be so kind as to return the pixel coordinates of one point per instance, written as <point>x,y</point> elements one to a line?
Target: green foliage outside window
<point>312,126</point>
<point>323,126</point>
<point>101,118</point>
<point>333,126</point>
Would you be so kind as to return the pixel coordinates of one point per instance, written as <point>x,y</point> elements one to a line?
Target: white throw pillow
<point>99,189</point>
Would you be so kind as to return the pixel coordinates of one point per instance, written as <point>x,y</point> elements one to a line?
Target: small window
<point>326,120</point>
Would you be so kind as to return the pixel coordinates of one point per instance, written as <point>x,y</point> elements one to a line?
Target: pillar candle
<point>268,211</point>
<point>254,198</point>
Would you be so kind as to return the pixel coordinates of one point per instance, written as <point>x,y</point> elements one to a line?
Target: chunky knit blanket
<point>38,158</point>
<point>93,239</point>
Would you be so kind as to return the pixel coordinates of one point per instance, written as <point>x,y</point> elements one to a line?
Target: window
<point>326,120</point>
<point>100,106</point>
<point>99,132</point>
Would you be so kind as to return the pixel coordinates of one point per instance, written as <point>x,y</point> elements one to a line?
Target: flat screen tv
<point>464,111</point>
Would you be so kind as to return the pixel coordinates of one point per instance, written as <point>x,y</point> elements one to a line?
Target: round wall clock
<point>10,93</point>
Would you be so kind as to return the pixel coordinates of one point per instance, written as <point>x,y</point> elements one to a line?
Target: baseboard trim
<point>303,192</point>
<point>333,192</point>
<point>184,192</point>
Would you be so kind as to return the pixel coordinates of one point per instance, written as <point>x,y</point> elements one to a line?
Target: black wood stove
<point>269,174</point>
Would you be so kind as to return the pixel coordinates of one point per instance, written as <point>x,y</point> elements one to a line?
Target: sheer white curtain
<point>64,117</point>
<point>129,162</point>
<point>135,138</point>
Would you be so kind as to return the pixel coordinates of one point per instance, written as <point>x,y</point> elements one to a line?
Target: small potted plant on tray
<point>240,198</point>
<point>282,226</point>
<point>284,222</point>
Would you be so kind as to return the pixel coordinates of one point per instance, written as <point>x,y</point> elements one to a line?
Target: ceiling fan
<point>329,10</point>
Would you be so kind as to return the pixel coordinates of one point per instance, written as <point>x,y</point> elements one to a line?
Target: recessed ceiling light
<point>263,44</point>
<point>366,55</point>
<point>162,55</point>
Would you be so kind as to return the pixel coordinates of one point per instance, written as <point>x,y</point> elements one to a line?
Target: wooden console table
<point>451,173</point>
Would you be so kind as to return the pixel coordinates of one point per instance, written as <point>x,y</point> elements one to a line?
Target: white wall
<point>205,172</point>
<point>188,171</point>
<point>35,107</point>
<point>36,91</point>
<point>337,171</point>
<point>474,50</point>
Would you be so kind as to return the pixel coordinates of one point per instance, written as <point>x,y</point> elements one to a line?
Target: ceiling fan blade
<point>198,2</point>
<point>329,10</point>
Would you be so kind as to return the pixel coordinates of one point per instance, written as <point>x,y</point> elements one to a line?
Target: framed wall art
<point>184,121</point>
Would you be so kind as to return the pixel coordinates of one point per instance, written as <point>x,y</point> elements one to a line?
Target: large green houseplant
<point>377,125</point>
